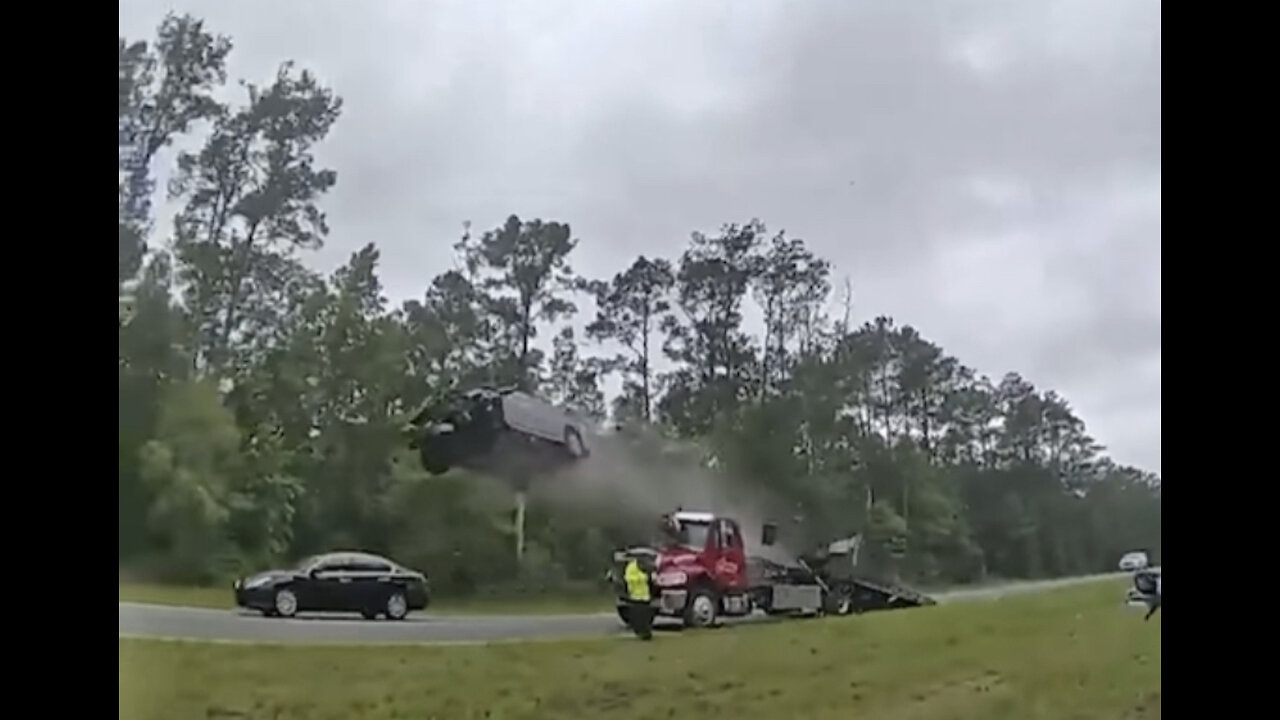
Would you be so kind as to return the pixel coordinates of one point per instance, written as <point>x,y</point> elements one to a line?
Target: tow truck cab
<point>702,568</point>
<point>701,572</point>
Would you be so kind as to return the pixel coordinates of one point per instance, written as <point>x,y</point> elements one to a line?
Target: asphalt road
<point>157,621</point>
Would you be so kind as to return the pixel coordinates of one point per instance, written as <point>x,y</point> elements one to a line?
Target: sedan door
<point>370,584</point>
<point>332,586</point>
<point>316,590</point>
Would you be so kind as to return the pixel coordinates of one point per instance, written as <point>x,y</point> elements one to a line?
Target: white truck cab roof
<point>693,516</point>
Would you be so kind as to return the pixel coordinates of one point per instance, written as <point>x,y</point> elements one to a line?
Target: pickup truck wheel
<point>433,456</point>
<point>432,464</point>
<point>573,443</point>
<point>702,609</point>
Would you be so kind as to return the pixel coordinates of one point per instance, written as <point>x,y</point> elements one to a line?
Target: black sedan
<point>336,582</point>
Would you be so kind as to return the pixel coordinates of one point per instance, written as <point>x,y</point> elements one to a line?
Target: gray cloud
<point>1005,153</point>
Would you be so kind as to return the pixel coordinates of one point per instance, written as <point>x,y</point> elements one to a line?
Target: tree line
<point>262,404</point>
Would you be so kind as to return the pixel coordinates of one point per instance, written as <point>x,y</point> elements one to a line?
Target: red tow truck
<point>702,573</point>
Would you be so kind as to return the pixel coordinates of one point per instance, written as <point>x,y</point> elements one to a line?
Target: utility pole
<point>522,497</point>
<point>520,503</point>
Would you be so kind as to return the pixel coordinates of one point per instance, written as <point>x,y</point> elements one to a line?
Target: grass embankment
<point>1072,653</point>
<point>220,598</point>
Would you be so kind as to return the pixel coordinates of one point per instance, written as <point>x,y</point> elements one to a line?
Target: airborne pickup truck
<point>468,428</point>
<point>702,572</point>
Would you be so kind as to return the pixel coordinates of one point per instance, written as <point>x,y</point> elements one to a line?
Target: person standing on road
<point>640,611</point>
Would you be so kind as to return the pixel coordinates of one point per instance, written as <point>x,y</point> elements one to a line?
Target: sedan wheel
<point>286,603</point>
<point>397,606</point>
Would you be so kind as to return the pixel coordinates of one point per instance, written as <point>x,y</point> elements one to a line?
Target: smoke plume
<point>633,477</point>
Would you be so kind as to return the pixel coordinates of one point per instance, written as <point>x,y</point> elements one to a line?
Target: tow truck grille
<point>672,601</point>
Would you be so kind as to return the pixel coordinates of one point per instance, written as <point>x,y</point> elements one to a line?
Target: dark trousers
<point>640,618</point>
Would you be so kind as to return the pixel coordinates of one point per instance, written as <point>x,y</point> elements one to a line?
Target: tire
<point>702,609</point>
<point>839,603</point>
<point>433,467</point>
<point>573,443</point>
<point>369,614</point>
<point>397,606</point>
<point>285,603</point>
<point>624,614</point>
<point>431,461</point>
<point>844,606</point>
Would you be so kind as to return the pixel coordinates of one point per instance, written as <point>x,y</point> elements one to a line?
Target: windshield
<point>692,535</point>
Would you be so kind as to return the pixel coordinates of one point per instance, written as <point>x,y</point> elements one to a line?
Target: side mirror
<point>769,534</point>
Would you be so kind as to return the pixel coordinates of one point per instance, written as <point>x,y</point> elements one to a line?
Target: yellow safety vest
<point>637,582</point>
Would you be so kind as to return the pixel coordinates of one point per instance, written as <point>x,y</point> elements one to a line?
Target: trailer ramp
<point>869,594</point>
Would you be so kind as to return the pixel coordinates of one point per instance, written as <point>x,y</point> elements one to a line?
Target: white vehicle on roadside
<point>1134,561</point>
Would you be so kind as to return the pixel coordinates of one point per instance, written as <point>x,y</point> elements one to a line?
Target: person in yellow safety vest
<point>640,611</point>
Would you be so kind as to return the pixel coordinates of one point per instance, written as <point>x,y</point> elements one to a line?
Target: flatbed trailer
<point>842,589</point>
<point>875,595</point>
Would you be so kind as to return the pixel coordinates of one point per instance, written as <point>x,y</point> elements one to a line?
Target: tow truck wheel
<point>840,603</point>
<point>702,609</point>
<point>844,605</point>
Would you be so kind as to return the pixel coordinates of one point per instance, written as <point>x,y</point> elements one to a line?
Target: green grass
<point>206,597</point>
<point>1074,654</point>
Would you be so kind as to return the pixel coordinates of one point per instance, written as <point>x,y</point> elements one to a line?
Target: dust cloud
<point>633,477</point>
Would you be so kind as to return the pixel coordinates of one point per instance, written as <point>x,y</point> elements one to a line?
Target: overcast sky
<point>1004,154</point>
